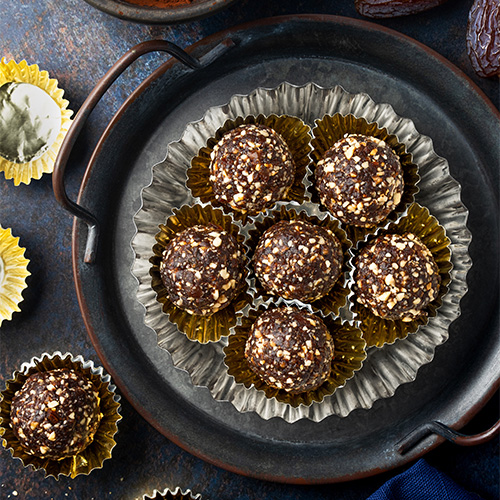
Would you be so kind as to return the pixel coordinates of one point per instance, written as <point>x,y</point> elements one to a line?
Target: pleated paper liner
<point>99,450</point>
<point>330,129</point>
<point>172,494</point>
<point>417,220</point>
<point>13,274</point>
<point>295,133</point>
<point>198,328</point>
<point>349,354</point>
<point>308,212</point>
<point>22,170</point>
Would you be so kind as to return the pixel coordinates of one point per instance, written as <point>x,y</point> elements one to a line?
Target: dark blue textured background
<point>77,44</point>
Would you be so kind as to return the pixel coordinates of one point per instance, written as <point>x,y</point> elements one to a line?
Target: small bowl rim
<point>159,15</point>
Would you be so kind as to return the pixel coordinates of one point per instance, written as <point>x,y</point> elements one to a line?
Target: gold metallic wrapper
<point>349,354</point>
<point>93,456</point>
<point>330,129</point>
<point>296,135</point>
<point>337,296</point>
<point>13,274</point>
<point>24,73</point>
<point>417,220</point>
<point>198,328</point>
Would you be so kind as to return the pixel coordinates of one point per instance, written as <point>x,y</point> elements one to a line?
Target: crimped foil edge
<point>186,494</point>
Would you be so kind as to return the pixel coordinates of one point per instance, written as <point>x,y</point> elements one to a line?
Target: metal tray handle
<point>89,104</point>
<point>446,432</point>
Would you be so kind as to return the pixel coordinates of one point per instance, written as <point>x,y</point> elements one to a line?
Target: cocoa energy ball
<point>251,168</point>
<point>298,260</point>
<point>360,180</point>
<point>55,414</point>
<point>396,277</point>
<point>290,349</point>
<point>202,269</point>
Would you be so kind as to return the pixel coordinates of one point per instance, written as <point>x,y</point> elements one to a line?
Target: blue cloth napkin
<point>422,482</point>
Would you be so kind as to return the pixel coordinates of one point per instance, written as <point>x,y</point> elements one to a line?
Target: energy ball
<point>251,168</point>
<point>396,277</point>
<point>298,260</point>
<point>290,349</point>
<point>55,414</point>
<point>360,180</point>
<point>202,269</point>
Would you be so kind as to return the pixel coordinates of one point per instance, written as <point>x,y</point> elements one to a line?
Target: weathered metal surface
<point>53,35</point>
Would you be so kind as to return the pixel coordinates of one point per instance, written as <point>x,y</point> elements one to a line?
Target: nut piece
<point>396,277</point>
<point>202,269</point>
<point>251,168</point>
<point>55,414</point>
<point>298,260</point>
<point>290,349</point>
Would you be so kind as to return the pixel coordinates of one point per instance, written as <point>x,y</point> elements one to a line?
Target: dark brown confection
<point>55,414</point>
<point>203,269</point>
<point>360,180</point>
<point>298,260</point>
<point>251,168</point>
<point>396,277</point>
<point>290,349</point>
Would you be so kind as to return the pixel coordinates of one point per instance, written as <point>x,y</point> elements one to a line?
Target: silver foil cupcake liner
<point>99,450</point>
<point>385,369</point>
<point>336,299</point>
<point>171,494</point>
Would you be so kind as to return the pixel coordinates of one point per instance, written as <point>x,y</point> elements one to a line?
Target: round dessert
<point>290,349</point>
<point>202,269</point>
<point>298,260</point>
<point>55,414</point>
<point>360,180</point>
<point>251,168</point>
<point>396,277</point>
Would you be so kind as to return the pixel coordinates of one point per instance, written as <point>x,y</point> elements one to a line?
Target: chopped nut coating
<point>298,260</point>
<point>55,414</point>
<point>290,349</point>
<point>360,180</point>
<point>202,269</point>
<point>251,168</point>
<point>396,277</point>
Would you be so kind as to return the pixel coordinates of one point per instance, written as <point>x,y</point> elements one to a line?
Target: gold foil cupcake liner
<point>24,171</point>
<point>99,450</point>
<point>336,298</point>
<point>349,354</point>
<point>417,220</point>
<point>330,129</point>
<point>198,328</point>
<point>13,274</point>
<point>296,135</point>
<point>172,494</point>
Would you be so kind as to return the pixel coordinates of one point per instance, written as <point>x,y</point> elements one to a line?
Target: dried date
<point>394,8</point>
<point>483,37</point>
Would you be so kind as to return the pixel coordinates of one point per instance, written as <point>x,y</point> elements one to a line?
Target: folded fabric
<point>422,482</point>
